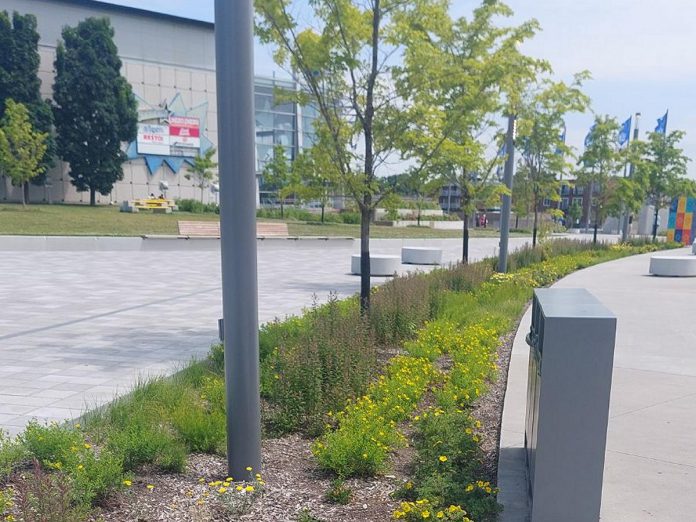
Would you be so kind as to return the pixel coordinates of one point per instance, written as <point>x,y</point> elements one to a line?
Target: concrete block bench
<point>421,256</point>
<point>380,265</point>
<point>673,266</point>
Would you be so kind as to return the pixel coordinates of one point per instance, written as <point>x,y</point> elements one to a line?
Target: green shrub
<point>197,207</point>
<point>12,453</point>
<point>146,443</point>
<point>339,493</point>
<point>203,431</point>
<point>65,450</point>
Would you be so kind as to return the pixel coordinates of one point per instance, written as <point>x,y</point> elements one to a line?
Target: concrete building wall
<point>163,56</point>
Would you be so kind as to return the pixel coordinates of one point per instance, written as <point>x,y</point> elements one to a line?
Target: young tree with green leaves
<point>276,175</point>
<point>19,80</point>
<point>421,184</point>
<point>574,213</point>
<point>543,150</point>
<point>600,164</point>
<point>203,170</point>
<point>662,171</point>
<point>95,110</point>
<point>22,148</point>
<point>457,77</point>
<point>344,60</point>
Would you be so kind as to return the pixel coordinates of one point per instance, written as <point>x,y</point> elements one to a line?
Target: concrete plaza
<point>651,455</point>
<point>79,326</point>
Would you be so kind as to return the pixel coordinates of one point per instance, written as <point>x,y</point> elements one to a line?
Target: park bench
<point>212,229</point>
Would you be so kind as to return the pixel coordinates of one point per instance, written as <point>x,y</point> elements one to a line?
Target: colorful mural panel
<point>682,225</point>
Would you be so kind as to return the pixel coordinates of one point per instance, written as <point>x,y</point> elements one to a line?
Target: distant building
<point>170,63</point>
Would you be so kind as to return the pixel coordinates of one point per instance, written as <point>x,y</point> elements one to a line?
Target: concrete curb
<point>143,243</point>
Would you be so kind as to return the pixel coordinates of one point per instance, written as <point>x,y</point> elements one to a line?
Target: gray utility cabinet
<point>570,366</point>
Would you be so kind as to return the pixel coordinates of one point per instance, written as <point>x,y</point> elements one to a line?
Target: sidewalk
<point>651,443</point>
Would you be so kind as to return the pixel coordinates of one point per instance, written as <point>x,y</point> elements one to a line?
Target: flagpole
<point>626,224</point>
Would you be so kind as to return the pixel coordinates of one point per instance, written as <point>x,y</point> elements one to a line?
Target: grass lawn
<point>82,220</point>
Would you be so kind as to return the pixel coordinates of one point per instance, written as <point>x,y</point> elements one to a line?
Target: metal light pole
<point>625,228</point>
<point>508,174</point>
<point>235,94</point>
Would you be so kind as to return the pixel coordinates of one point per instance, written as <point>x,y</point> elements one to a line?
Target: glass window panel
<point>284,122</point>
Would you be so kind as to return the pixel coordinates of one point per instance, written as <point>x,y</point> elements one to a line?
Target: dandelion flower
<point>442,458</point>
<point>150,487</point>
<point>127,483</point>
<point>249,489</point>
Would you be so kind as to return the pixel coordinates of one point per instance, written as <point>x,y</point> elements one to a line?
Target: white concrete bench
<point>421,256</point>
<point>380,265</point>
<point>673,266</point>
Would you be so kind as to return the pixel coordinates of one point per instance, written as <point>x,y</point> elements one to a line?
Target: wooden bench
<point>212,229</point>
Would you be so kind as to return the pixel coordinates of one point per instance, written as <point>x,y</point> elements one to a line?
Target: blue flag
<point>625,132</point>
<point>662,124</point>
<point>589,137</point>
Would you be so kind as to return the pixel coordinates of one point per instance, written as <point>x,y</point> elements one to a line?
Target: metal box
<point>570,367</point>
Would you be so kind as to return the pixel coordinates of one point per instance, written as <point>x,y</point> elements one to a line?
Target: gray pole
<point>625,229</point>
<point>235,93</point>
<point>508,174</point>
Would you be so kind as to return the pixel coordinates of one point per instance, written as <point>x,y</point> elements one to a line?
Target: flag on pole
<point>662,124</point>
<point>588,138</point>
<point>625,132</point>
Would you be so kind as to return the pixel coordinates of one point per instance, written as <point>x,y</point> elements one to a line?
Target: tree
<point>276,175</point>
<point>344,59</point>
<point>541,130</point>
<point>662,169</point>
<point>95,108</point>
<point>22,148</point>
<point>312,178</point>
<point>19,81</point>
<point>203,170</point>
<point>457,77</point>
<point>422,184</point>
<point>602,160</point>
<point>574,213</point>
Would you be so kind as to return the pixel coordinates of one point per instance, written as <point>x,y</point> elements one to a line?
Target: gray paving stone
<point>98,322</point>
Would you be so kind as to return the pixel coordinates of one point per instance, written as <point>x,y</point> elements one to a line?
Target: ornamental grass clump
<point>318,368</point>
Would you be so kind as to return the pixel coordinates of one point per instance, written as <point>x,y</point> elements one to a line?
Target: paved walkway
<point>77,327</point>
<point>651,444</point>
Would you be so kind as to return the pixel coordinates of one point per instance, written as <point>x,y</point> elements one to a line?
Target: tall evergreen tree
<point>19,80</point>
<point>95,108</point>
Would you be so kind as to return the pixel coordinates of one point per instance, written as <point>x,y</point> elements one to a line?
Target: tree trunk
<point>535,228</point>
<point>596,222</point>
<point>465,241</point>
<point>365,256</point>
<point>282,213</point>
<point>654,227</point>
<point>419,215</point>
<point>322,213</point>
<point>92,197</point>
<point>517,221</point>
<point>25,193</point>
<point>24,198</point>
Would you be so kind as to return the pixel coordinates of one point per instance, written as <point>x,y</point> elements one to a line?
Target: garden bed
<point>395,415</point>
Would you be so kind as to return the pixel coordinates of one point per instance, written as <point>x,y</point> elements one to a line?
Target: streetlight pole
<point>508,174</point>
<point>235,94</point>
<point>625,228</point>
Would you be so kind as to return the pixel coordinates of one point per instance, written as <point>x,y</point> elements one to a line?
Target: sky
<point>641,54</point>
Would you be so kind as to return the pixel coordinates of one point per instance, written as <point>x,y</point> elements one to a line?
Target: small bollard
<point>570,368</point>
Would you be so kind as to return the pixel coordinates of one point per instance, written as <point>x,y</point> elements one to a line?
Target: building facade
<point>170,63</point>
